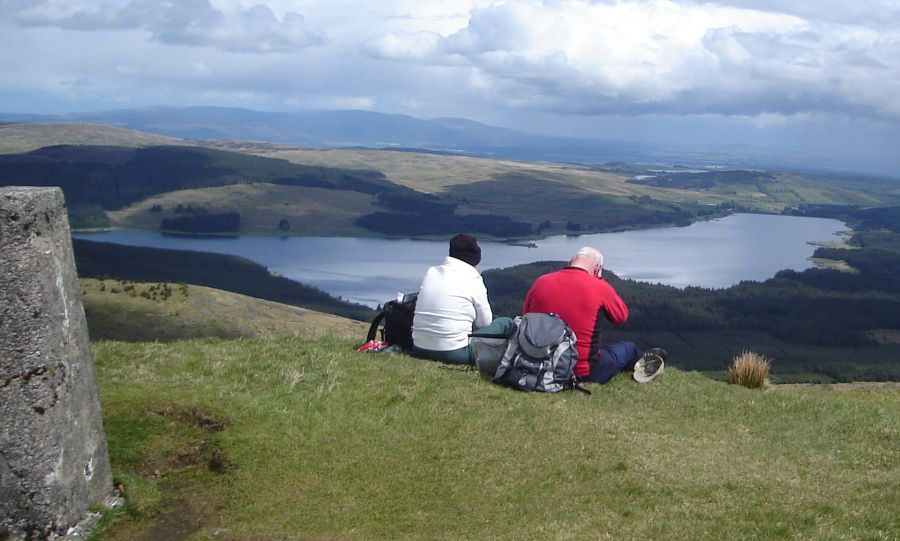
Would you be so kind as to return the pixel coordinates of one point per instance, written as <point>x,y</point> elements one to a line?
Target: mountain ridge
<point>372,129</point>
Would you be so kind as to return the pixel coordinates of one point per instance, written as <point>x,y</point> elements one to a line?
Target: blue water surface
<point>716,253</point>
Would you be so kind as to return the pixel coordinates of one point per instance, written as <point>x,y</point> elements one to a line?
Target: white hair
<point>591,254</point>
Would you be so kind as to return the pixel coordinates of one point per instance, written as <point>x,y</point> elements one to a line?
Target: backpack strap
<point>578,386</point>
<point>373,328</point>
<point>489,335</point>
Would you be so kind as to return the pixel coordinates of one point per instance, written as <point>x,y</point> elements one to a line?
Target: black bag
<point>540,356</point>
<point>397,316</point>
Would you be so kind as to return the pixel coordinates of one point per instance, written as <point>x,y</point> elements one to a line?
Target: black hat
<point>465,248</point>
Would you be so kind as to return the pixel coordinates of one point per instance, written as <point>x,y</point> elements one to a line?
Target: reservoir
<point>715,254</point>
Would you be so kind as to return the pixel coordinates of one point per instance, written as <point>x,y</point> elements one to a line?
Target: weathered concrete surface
<point>53,457</point>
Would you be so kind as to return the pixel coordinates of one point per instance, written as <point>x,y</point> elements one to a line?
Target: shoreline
<point>527,241</point>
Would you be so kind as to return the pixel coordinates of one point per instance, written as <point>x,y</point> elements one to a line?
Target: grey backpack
<point>539,356</point>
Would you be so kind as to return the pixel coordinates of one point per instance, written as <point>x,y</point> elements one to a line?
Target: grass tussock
<point>295,438</point>
<point>749,369</point>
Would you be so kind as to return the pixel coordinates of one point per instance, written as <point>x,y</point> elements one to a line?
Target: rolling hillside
<point>99,179</point>
<point>248,439</point>
<point>283,190</point>
<point>18,137</point>
<point>164,312</point>
<point>292,438</point>
<point>323,128</point>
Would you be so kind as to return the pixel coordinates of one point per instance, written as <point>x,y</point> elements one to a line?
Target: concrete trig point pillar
<point>53,459</point>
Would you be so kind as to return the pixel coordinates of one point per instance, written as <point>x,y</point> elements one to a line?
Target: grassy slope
<point>438,173</point>
<point>16,138</point>
<point>303,439</point>
<point>431,172</point>
<point>137,311</point>
<point>314,211</point>
<point>488,186</point>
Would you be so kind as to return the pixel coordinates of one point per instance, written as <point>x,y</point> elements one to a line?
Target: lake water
<point>718,253</point>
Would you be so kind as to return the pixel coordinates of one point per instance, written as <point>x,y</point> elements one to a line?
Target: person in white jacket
<point>453,303</point>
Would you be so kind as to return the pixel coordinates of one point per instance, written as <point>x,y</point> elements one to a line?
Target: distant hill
<point>355,128</point>
<point>288,190</point>
<point>25,137</point>
<point>344,128</point>
<point>96,179</point>
<point>166,311</point>
<point>292,191</point>
<point>115,176</point>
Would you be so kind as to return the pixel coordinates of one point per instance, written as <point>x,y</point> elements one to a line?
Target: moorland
<point>229,417</point>
<point>295,438</point>
<point>265,424</point>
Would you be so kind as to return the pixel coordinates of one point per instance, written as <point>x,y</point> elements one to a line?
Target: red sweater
<point>580,300</point>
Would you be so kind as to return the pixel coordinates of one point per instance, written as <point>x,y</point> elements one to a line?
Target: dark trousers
<point>613,359</point>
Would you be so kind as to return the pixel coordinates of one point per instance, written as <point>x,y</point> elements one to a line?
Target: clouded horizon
<point>822,76</point>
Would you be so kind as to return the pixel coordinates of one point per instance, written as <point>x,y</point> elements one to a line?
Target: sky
<point>819,75</point>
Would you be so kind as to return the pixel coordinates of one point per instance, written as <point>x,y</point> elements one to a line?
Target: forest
<point>703,180</point>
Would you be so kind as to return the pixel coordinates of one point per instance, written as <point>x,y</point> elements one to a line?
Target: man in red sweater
<point>579,295</point>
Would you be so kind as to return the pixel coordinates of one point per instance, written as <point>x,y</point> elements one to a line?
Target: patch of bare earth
<point>180,515</point>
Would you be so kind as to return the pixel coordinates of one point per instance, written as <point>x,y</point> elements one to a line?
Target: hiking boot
<point>650,365</point>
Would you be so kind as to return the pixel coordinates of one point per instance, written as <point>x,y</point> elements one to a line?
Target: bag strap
<point>373,328</point>
<point>578,386</point>
<point>488,335</point>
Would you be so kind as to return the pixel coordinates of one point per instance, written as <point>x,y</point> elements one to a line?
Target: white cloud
<point>354,102</point>
<point>577,56</point>
<point>184,22</point>
<point>404,46</point>
<point>693,68</point>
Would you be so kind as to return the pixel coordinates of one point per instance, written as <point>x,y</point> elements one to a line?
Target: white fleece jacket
<point>452,301</point>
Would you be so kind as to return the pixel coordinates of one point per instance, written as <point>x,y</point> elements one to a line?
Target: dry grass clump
<point>750,370</point>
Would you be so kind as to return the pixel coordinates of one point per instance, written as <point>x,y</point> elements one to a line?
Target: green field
<point>305,439</point>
